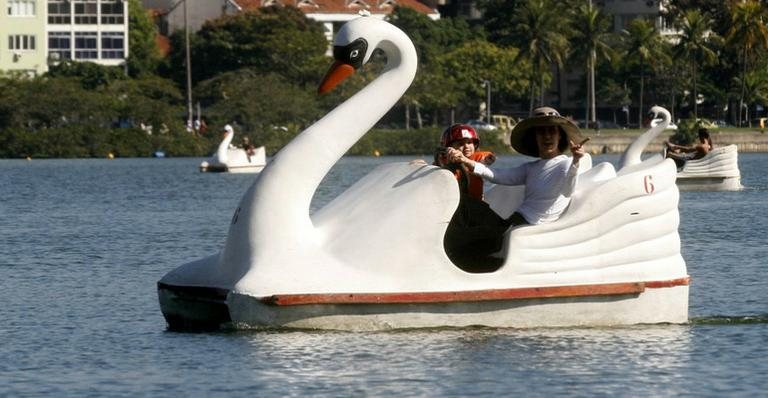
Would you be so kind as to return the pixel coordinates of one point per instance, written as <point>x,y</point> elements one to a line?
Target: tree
<point>643,46</point>
<point>431,87</point>
<point>149,101</point>
<point>539,26</point>
<point>144,57</point>
<point>696,45</point>
<point>592,40</point>
<point>755,89</point>
<point>716,9</point>
<point>499,20</point>
<point>471,63</point>
<point>90,74</point>
<point>749,33</point>
<point>266,107</point>
<point>270,39</point>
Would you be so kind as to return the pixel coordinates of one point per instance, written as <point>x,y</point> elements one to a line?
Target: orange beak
<point>335,75</point>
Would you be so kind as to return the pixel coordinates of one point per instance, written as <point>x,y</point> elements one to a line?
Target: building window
<point>112,12</point>
<point>59,12</point>
<point>21,8</point>
<point>21,42</point>
<point>112,45</point>
<point>85,45</point>
<point>86,12</point>
<point>59,45</point>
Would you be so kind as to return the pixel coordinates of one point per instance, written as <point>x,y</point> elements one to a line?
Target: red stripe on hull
<point>610,289</point>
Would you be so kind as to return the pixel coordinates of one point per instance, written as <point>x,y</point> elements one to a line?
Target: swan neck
<point>309,157</point>
<point>221,152</point>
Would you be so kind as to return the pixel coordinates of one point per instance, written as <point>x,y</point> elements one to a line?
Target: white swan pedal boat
<point>373,258</point>
<point>231,159</point>
<point>716,171</point>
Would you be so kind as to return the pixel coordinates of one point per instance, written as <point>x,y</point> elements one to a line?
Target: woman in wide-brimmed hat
<point>550,180</point>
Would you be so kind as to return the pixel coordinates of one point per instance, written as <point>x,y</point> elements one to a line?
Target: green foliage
<point>267,108</point>
<point>90,75</point>
<point>70,121</point>
<point>697,45</point>
<point>687,131</point>
<point>144,57</point>
<point>500,21</point>
<point>257,40</point>
<point>717,9</point>
<point>644,51</point>
<point>434,87</point>
<point>432,38</point>
<point>542,38</point>
<point>473,62</point>
<point>89,141</point>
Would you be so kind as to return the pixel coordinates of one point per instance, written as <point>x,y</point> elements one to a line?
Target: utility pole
<point>189,67</point>
<point>487,85</point>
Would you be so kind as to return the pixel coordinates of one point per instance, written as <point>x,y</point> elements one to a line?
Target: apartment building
<point>37,33</point>
<point>22,36</point>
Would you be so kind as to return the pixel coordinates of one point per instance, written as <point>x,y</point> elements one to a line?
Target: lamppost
<point>187,59</point>
<point>487,85</point>
<point>189,67</point>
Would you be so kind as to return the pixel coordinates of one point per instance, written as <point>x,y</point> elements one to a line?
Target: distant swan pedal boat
<point>231,159</point>
<point>374,257</point>
<point>717,171</point>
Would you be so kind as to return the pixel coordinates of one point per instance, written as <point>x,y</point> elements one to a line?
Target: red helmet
<point>459,132</point>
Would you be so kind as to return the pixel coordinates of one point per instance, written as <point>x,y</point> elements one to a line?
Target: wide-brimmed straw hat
<point>523,138</point>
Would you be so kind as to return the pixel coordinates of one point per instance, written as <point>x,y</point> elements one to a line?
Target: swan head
<point>353,47</point>
<point>659,112</point>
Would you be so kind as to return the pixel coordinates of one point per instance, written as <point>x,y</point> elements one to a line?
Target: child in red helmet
<point>475,229</point>
<point>465,139</point>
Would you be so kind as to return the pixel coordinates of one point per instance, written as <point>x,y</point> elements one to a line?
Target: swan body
<point>229,158</point>
<point>373,258</point>
<point>716,171</point>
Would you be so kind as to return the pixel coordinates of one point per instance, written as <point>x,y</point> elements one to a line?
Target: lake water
<point>83,243</point>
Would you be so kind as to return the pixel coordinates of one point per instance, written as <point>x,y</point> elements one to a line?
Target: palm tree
<point>591,40</point>
<point>755,86</point>
<point>644,46</point>
<point>696,45</point>
<point>539,27</point>
<point>748,32</point>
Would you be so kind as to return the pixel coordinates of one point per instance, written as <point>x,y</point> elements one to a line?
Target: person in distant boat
<point>249,149</point>
<point>550,180</point>
<point>682,153</point>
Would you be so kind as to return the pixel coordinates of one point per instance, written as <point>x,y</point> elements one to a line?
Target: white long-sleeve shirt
<point>549,184</point>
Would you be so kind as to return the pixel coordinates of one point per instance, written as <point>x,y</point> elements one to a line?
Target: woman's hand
<point>577,150</point>
<point>488,159</point>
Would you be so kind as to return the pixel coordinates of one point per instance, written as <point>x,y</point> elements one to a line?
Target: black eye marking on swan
<point>352,54</point>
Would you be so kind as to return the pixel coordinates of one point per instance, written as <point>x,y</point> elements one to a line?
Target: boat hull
<point>564,306</point>
<point>717,171</point>
<point>222,168</point>
<point>193,308</point>
<point>709,183</point>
